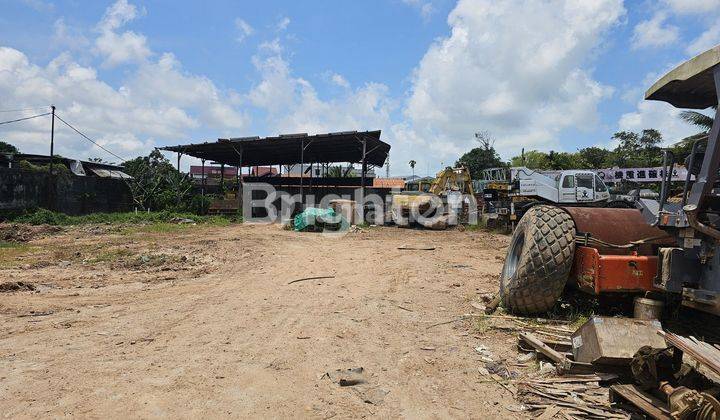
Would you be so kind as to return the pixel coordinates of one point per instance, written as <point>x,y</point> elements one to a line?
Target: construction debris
<point>346,377</point>
<point>417,247</point>
<point>701,351</point>
<point>577,396</point>
<point>614,341</point>
<point>311,278</point>
<point>562,362</point>
<point>16,286</point>
<point>20,232</point>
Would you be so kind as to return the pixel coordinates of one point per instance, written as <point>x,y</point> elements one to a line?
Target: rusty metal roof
<point>689,85</point>
<point>285,149</point>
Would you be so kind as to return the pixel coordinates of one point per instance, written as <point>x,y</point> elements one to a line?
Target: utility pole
<point>52,137</point>
<point>51,179</point>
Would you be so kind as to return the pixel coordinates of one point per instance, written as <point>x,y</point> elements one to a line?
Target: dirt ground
<point>188,321</point>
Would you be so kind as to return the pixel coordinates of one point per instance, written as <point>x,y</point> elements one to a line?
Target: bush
<point>43,216</point>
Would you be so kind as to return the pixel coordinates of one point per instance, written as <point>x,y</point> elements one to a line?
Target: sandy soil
<point>196,321</point>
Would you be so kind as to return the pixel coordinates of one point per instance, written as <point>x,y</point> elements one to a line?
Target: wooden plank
<point>647,403</point>
<point>698,350</point>
<point>562,361</point>
<point>549,412</point>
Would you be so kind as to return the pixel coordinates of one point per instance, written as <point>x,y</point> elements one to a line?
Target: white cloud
<point>68,37</point>
<point>688,7</point>
<point>660,116</point>
<point>292,104</point>
<point>655,32</point>
<point>283,24</point>
<point>425,7</point>
<point>244,29</point>
<point>40,5</point>
<point>706,40</point>
<point>157,101</point>
<point>339,80</point>
<point>522,76</point>
<point>119,48</point>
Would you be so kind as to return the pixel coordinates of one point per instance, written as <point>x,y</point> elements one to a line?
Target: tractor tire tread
<point>544,263</point>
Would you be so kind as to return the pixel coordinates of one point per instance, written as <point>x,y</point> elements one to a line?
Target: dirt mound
<point>16,232</point>
<point>15,286</point>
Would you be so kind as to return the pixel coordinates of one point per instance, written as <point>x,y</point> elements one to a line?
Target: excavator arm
<point>449,179</point>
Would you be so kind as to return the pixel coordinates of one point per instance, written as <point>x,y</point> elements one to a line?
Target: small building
<point>212,171</point>
<point>74,186</point>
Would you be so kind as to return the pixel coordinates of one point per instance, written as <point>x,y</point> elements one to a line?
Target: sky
<point>547,75</point>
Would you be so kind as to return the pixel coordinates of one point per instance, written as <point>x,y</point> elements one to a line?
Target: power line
<point>88,138</point>
<point>26,118</point>
<point>24,109</point>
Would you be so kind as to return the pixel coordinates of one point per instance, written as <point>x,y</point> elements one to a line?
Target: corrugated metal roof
<point>286,149</point>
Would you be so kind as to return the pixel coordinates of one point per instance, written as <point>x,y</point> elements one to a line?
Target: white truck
<point>572,186</point>
<point>524,187</point>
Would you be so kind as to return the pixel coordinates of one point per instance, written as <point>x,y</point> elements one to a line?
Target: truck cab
<point>581,187</point>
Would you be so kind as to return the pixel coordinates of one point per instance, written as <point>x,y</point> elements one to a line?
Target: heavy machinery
<point>448,200</point>
<point>668,248</point>
<point>509,199</point>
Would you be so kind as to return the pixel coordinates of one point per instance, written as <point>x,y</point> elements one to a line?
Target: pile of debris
<point>14,232</point>
<point>612,366</point>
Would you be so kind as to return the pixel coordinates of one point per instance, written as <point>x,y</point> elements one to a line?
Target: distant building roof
<point>420,179</point>
<point>212,170</point>
<point>388,183</point>
<point>263,171</point>
<point>287,149</point>
<point>78,167</point>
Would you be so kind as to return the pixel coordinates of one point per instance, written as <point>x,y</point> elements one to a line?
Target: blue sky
<point>549,75</point>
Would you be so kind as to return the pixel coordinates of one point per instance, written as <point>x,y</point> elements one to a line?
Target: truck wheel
<point>538,260</point>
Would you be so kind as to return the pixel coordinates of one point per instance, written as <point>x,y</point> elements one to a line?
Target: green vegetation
<point>8,148</point>
<point>43,216</point>
<point>480,158</point>
<point>632,150</point>
<point>158,185</point>
<point>10,251</point>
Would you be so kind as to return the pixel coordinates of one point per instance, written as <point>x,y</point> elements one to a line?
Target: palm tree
<point>412,165</point>
<point>683,148</point>
<point>697,119</point>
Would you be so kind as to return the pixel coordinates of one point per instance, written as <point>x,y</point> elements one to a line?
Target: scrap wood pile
<point>570,396</point>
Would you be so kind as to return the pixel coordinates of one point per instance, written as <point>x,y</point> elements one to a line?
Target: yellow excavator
<point>446,203</point>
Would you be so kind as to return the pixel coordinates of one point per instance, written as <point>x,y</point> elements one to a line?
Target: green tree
<point>412,164</point>
<point>532,159</point>
<point>8,148</point>
<point>595,157</point>
<point>482,157</point>
<point>157,185</point>
<point>637,150</point>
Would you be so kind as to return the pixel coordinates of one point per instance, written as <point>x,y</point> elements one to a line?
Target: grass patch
<point>11,251</point>
<point>5,245</point>
<point>47,217</point>
<point>111,255</point>
<point>482,325</point>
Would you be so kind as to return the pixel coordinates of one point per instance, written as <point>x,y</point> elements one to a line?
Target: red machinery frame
<point>597,273</point>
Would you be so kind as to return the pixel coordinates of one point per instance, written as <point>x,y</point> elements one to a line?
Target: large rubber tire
<point>538,261</point>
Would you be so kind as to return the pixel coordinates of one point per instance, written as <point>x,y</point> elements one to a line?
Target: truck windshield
<point>599,185</point>
<point>584,181</point>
